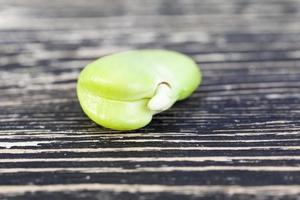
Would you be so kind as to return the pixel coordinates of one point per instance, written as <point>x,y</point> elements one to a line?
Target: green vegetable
<point>123,91</point>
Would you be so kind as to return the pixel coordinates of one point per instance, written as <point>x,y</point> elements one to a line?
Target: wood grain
<point>236,137</point>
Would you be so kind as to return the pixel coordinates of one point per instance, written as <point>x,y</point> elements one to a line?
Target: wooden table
<point>236,137</point>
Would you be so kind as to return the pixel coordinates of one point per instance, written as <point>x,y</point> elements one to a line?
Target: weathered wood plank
<point>236,137</point>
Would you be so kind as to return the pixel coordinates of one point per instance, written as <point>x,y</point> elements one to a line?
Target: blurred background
<point>44,45</point>
<point>248,50</point>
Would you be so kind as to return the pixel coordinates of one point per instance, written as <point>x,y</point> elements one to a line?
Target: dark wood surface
<point>236,137</point>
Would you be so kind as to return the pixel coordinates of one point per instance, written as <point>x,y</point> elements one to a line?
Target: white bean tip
<point>163,98</point>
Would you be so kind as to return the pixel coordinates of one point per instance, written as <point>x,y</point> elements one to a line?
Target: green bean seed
<point>123,91</point>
